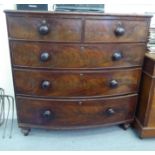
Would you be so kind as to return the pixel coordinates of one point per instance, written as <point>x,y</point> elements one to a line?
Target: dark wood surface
<point>76,69</point>
<point>144,99</point>
<point>67,30</point>
<point>145,117</point>
<point>148,66</point>
<point>76,84</point>
<point>74,28</point>
<point>68,113</point>
<point>83,56</point>
<point>99,31</point>
<point>151,119</point>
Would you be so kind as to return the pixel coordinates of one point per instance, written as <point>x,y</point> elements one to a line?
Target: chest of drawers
<point>76,70</point>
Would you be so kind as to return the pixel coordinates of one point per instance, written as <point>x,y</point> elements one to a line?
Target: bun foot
<point>125,126</point>
<point>25,131</point>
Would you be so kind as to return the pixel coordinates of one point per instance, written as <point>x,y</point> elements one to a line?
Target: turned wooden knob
<point>43,28</point>
<point>113,84</point>
<point>45,84</point>
<point>117,56</point>
<point>110,111</point>
<point>44,56</point>
<point>119,31</point>
<point>47,115</point>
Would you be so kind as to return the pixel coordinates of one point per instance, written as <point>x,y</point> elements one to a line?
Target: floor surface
<point>106,138</point>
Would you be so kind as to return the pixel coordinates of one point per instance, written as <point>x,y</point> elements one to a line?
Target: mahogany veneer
<point>76,70</point>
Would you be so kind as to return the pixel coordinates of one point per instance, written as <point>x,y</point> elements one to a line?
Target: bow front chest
<point>75,70</point>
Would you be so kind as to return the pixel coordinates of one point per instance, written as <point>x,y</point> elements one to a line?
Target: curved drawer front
<point>76,84</point>
<point>39,28</point>
<point>116,31</point>
<point>72,113</point>
<point>47,55</point>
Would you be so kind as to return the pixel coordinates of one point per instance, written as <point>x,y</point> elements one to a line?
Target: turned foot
<point>25,131</point>
<point>125,126</point>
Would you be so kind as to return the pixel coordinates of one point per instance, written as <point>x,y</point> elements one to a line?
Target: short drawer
<point>115,31</point>
<point>43,28</point>
<point>76,83</point>
<point>55,56</point>
<point>75,113</point>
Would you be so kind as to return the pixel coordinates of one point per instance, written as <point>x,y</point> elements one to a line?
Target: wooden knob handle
<point>47,115</point>
<point>43,28</point>
<point>44,56</point>
<point>117,56</point>
<point>113,83</point>
<point>119,31</point>
<point>110,111</point>
<point>45,84</point>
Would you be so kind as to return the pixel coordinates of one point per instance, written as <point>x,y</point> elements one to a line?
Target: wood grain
<point>80,84</point>
<point>68,113</point>
<point>27,54</point>
<point>145,115</point>
<point>60,29</point>
<point>76,84</point>
<point>70,28</point>
<point>103,31</point>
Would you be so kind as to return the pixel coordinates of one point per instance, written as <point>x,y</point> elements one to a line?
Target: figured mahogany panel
<point>76,84</point>
<point>115,31</point>
<point>42,28</point>
<point>31,54</point>
<point>75,113</point>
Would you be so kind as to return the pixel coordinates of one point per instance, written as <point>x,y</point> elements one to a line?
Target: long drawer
<point>72,113</point>
<point>55,56</point>
<point>76,83</point>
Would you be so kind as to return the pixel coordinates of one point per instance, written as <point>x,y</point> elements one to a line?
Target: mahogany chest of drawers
<point>145,115</point>
<point>75,70</point>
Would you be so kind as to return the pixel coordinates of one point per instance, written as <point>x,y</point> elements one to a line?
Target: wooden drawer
<point>42,28</point>
<point>115,31</point>
<point>47,55</point>
<point>72,113</point>
<point>76,83</point>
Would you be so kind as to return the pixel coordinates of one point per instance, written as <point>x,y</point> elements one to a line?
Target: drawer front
<point>46,55</point>
<point>116,31</point>
<point>72,113</point>
<point>39,28</point>
<point>76,84</point>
